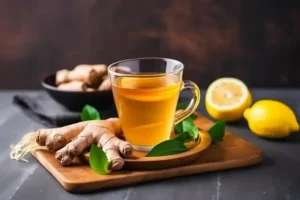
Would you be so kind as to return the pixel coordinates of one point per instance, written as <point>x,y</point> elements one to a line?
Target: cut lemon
<point>227,98</point>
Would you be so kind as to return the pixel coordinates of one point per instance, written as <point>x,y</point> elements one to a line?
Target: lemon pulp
<point>227,98</point>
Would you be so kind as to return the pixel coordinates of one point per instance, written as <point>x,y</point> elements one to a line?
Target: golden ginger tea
<point>146,107</point>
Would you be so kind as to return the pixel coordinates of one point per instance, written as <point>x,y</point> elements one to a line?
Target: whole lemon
<point>271,119</point>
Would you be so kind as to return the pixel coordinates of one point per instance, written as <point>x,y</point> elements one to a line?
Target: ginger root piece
<point>90,89</point>
<point>61,76</point>
<point>70,141</point>
<point>101,69</point>
<point>89,74</point>
<point>74,86</point>
<point>105,85</point>
<point>83,74</point>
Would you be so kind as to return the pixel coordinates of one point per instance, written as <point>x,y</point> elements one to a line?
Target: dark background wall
<point>255,40</point>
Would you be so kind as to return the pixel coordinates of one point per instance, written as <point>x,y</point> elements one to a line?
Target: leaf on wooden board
<point>179,126</point>
<point>190,128</point>
<point>98,160</point>
<point>168,147</point>
<point>217,131</point>
<point>183,137</point>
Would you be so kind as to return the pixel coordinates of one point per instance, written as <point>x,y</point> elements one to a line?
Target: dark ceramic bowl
<point>74,100</point>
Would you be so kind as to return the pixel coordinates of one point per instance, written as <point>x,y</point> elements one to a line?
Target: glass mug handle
<point>181,115</point>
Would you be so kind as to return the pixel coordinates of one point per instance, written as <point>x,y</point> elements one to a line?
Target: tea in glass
<point>146,99</point>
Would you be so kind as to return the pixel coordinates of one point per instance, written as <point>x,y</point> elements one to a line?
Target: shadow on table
<point>293,138</point>
<point>242,123</point>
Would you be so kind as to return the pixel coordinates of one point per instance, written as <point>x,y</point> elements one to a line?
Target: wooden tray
<point>139,161</point>
<point>233,152</point>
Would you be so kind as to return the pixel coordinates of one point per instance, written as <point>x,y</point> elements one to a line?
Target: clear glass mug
<point>146,93</point>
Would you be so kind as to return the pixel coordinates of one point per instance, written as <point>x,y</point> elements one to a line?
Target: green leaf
<point>191,129</point>
<point>217,131</point>
<point>192,117</point>
<point>168,147</point>
<point>183,137</point>
<point>89,113</point>
<point>182,106</point>
<point>187,126</point>
<point>195,133</point>
<point>178,128</point>
<point>98,160</point>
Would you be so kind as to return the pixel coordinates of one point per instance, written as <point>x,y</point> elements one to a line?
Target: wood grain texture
<point>233,152</point>
<point>239,38</point>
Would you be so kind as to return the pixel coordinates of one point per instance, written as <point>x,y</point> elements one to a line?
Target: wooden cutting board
<point>233,152</point>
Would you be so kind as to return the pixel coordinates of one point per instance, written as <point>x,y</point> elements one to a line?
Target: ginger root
<point>74,86</point>
<point>94,77</point>
<point>101,69</point>
<point>88,74</point>
<point>105,85</point>
<point>70,141</point>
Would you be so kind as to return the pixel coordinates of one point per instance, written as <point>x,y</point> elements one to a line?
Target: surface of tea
<point>146,107</point>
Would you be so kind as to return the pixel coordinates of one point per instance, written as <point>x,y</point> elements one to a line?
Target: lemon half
<point>227,98</point>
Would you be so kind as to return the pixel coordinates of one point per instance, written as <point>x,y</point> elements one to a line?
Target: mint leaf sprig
<point>187,126</point>
<point>186,131</point>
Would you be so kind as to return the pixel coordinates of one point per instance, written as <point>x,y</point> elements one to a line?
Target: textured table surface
<point>277,177</point>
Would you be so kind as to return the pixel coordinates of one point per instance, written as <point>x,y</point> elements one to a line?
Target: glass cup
<point>146,93</point>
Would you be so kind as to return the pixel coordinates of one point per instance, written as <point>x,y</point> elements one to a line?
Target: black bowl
<point>75,100</point>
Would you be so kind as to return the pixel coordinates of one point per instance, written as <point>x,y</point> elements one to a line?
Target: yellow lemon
<point>227,98</point>
<point>271,119</point>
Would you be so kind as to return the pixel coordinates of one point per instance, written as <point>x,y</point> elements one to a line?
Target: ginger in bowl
<point>84,84</point>
<point>83,78</point>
